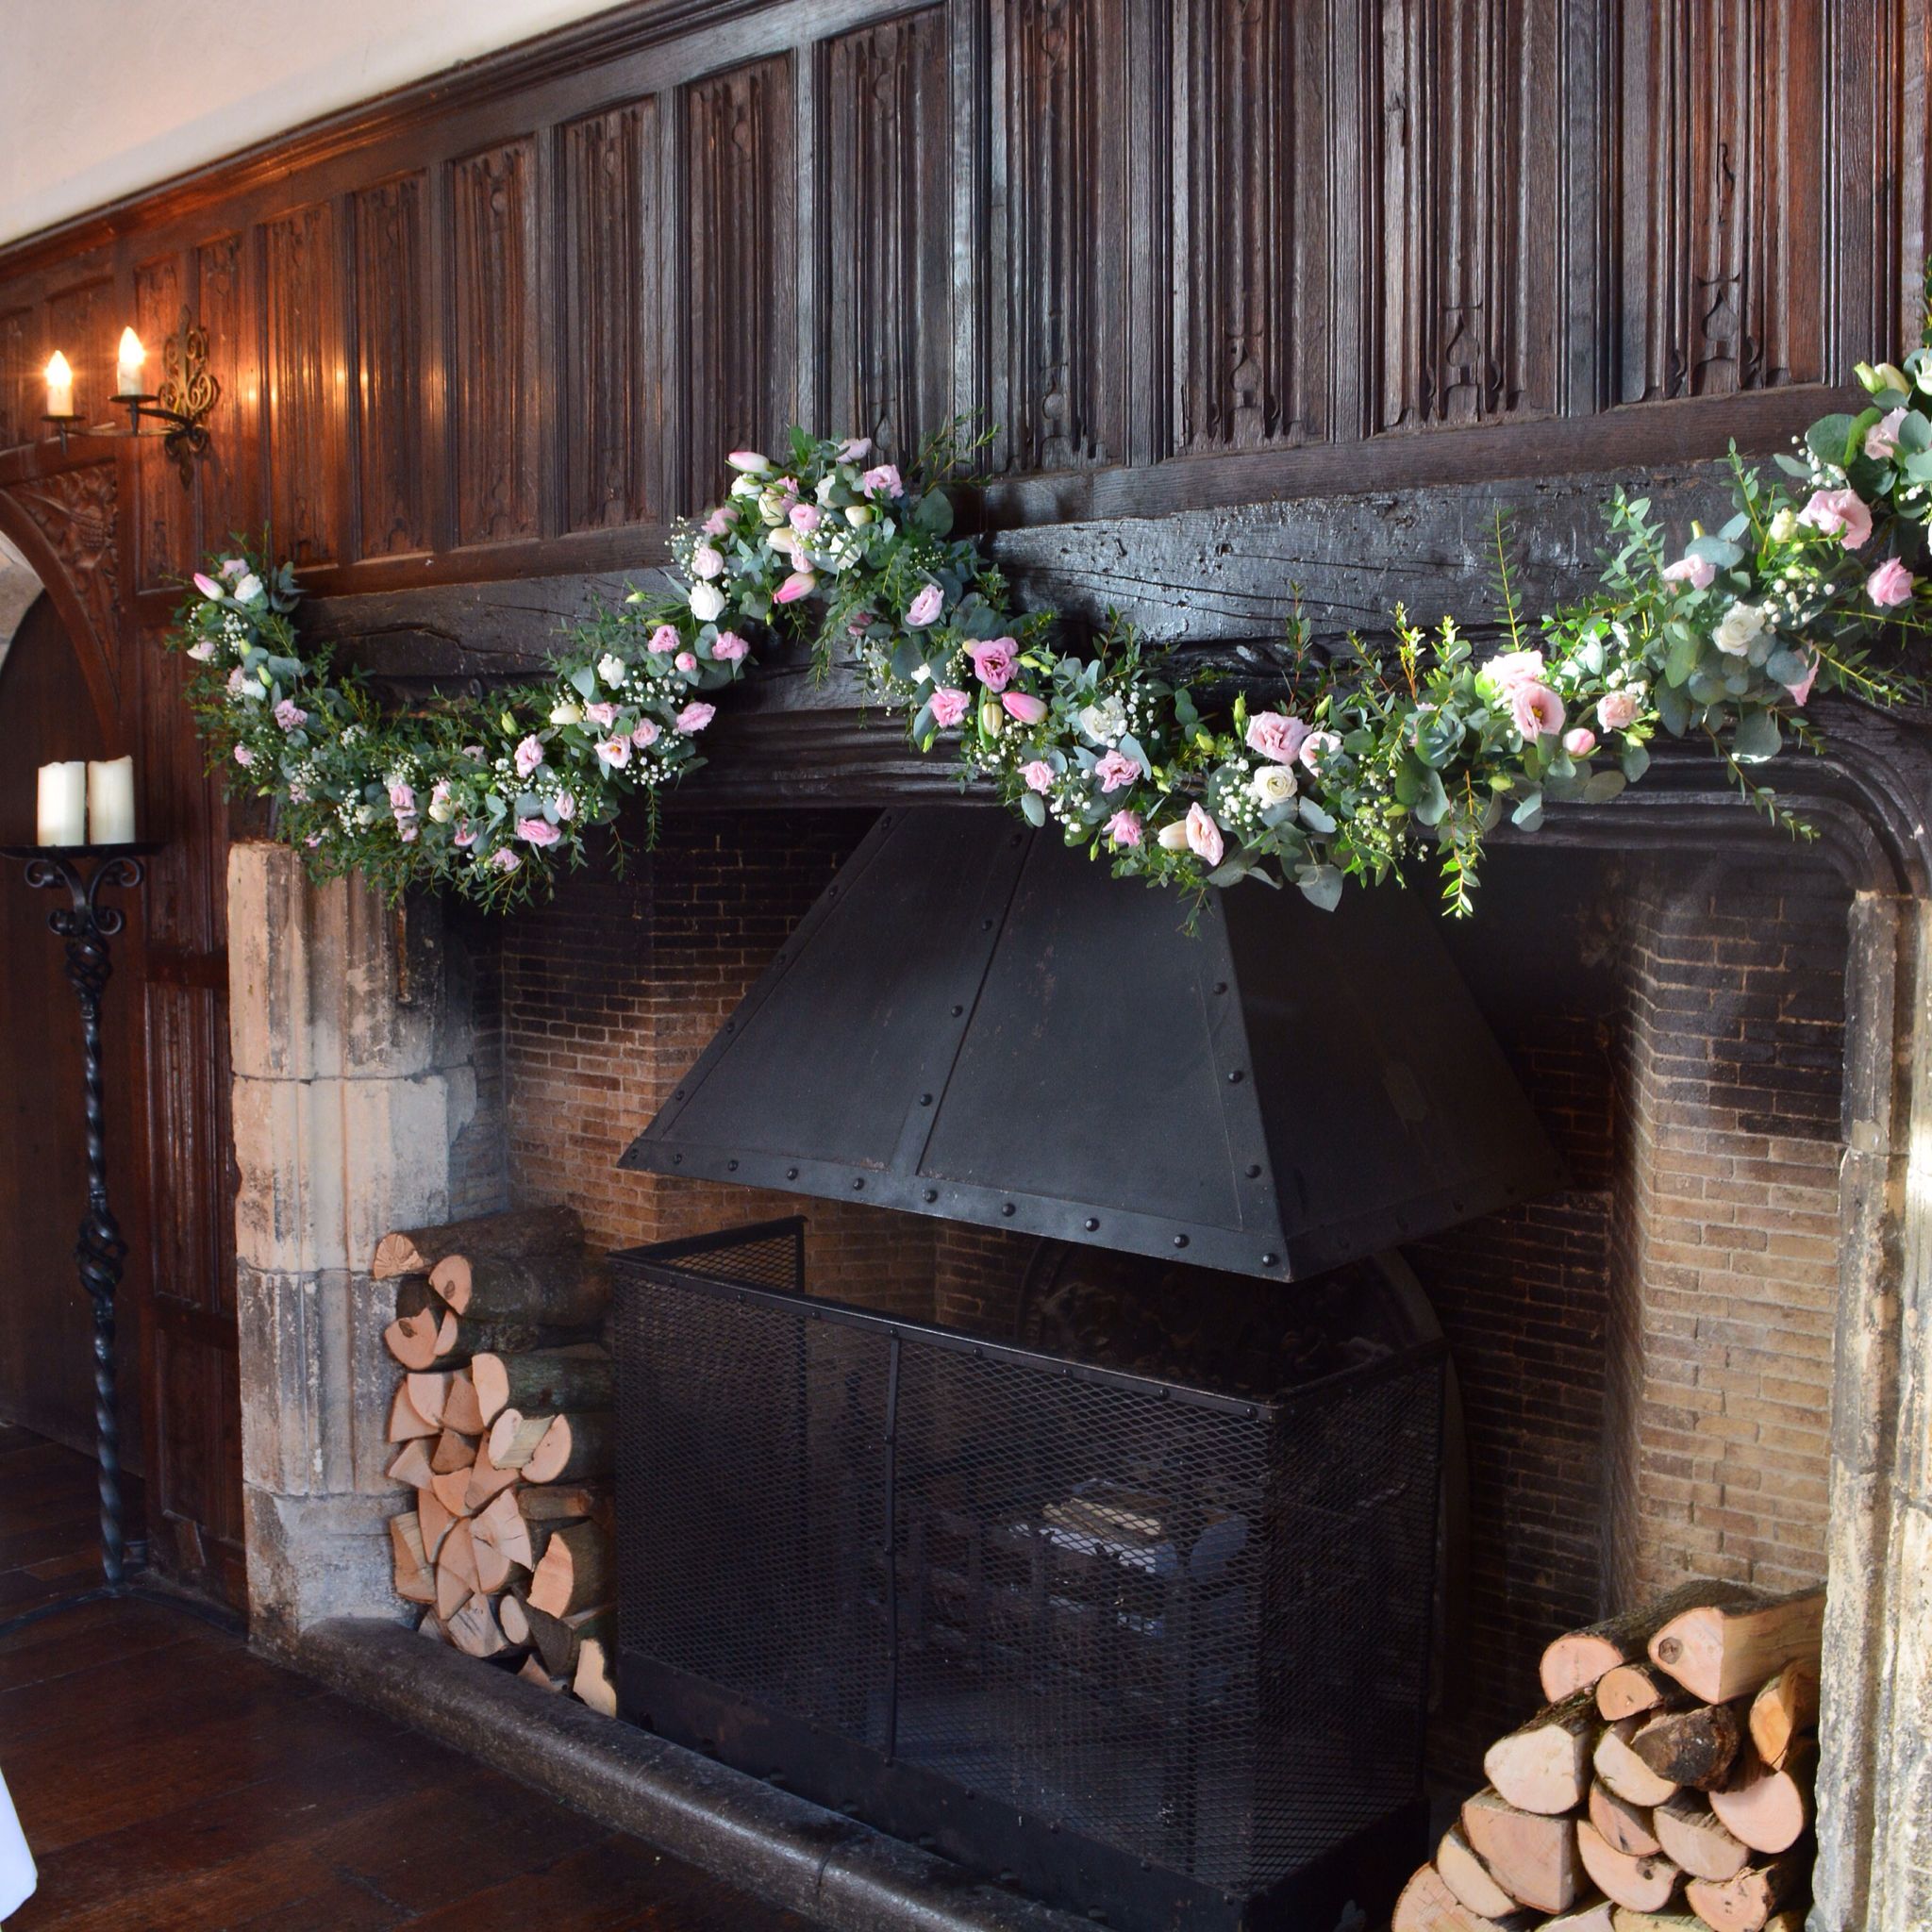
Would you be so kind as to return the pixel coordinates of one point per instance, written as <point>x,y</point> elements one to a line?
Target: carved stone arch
<point>64,525</point>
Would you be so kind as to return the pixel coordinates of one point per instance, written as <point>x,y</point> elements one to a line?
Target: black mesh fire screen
<point>1151,1651</point>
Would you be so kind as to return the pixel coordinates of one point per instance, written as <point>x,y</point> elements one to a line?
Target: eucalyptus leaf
<point>1033,809</point>
<point>1635,762</point>
<point>585,678</point>
<point>1785,665</point>
<point>1829,440</point>
<point>1321,885</point>
<point>1684,657</point>
<point>1314,817</point>
<point>1756,737</point>
<point>1433,806</point>
<point>1600,787</point>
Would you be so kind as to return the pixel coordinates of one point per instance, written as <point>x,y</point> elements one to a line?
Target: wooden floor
<point>166,1778</point>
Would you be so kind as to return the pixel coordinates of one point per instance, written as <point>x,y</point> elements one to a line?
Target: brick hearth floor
<point>168,1779</point>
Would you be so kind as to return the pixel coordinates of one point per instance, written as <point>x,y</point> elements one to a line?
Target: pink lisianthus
<point>1801,691</point>
<point>883,481</point>
<point>203,651</point>
<point>1890,584</point>
<point>686,660</point>
<point>402,800</point>
<point>604,715</point>
<point>1511,669</point>
<point>529,755</point>
<point>238,682</point>
<point>290,715</point>
<point>646,734</point>
<point>243,756</point>
<point>439,793</point>
<point>1839,513</point>
<point>234,566</point>
<point>1023,708</point>
<point>1316,746</point>
<point>1881,440</point>
<point>995,661</point>
<point>925,607</point>
<point>706,561</point>
<point>566,805</point>
<point>801,583</point>
<point>1124,828</point>
<point>729,648</point>
<point>504,860</point>
<point>1039,776</point>
<point>1277,735</point>
<point>206,585</point>
<point>665,639</point>
<point>1115,771</point>
<point>1698,571</point>
<point>1204,836</point>
<point>855,449</point>
<point>474,754</point>
<point>693,718</point>
<point>312,841</point>
<point>949,707</point>
<point>537,832</point>
<point>804,518</point>
<point>1537,710</point>
<point>1580,742</point>
<point>465,834</point>
<point>718,523</point>
<point>1616,711</point>
<point>408,828</point>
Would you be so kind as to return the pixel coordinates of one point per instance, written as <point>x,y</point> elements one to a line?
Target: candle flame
<point>130,352</point>
<point>58,373</point>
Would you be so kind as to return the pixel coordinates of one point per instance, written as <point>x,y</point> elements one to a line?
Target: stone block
<point>316,1557</point>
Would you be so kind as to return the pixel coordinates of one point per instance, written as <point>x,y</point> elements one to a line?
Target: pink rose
<point>645,736</point>
<point>1124,828</point>
<point>925,606</point>
<point>1538,712</point>
<point>801,583</point>
<point>1114,770</point>
<point>1039,775</point>
<point>465,835</point>
<point>1616,711</point>
<point>243,756</point>
<point>1204,836</point>
<point>729,648</point>
<point>1023,708</point>
<point>855,449</point>
<point>604,715</point>
<point>537,832</point>
<point>1697,572</point>
<point>994,662</point>
<point>1802,690</point>
<point>529,755</point>
<point>883,481</point>
<point>718,523</point>
<point>1276,735</point>
<point>1580,743</point>
<point>1890,584</point>
<point>504,860</point>
<point>1881,440</point>
<point>665,638</point>
<point>290,715</point>
<point>693,718</point>
<point>206,585</point>
<point>1839,513</point>
<point>805,518</point>
<point>949,707</point>
<point>686,660</point>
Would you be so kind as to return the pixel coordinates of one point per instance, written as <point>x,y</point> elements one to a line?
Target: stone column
<point>355,1111</point>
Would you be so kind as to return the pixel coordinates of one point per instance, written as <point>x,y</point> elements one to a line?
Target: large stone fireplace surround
<point>1644,1360</point>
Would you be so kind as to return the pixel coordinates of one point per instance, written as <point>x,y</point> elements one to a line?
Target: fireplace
<point>1154,1651</point>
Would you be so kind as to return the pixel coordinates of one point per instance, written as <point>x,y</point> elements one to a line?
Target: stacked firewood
<point>1665,1788</point>
<point>503,1427</point>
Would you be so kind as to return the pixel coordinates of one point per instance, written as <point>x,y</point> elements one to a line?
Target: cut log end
<point>1645,1884</point>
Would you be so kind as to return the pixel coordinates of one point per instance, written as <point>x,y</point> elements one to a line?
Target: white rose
<point>1736,629</point>
<point>1103,722</point>
<point>858,514</point>
<point>1272,785</point>
<point>248,589</point>
<point>610,668</point>
<point>707,603</point>
<point>566,714</point>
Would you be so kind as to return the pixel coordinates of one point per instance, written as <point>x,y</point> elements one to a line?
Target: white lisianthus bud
<point>748,462</point>
<point>858,514</point>
<point>1272,785</point>
<point>989,717</point>
<point>746,486</point>
<point>442,811</point>
<point>1784,525</point>
<point>610,668</point>
<point>1174,838</point>
<point>566,714</point>
<point>827,485</point>
<point>707,603</point>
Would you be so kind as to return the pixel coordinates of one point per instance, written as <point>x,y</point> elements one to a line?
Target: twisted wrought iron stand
<point>87,924</point>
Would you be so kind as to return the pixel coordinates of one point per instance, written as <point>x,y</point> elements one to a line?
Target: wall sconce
<point>183,403</point>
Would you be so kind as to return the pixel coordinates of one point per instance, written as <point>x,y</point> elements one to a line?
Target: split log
<point>1622,1825</point>
<point>545,1380</point>
<point>436,1521</point>
<point>1626,1773</point>
<point>452,1489</point>
<point>1580,1658</point>
<point>412,1464</point>
<point>1719,1653</point>
<point>1770,1809</point>
<point>452,1593</point>
<point>568,1503</point>
<point>453,1450</point>
<point>574,1447</point>
<point>562,1286</point>
<point>573,1572</point>
<point>414,1583</point>
<point>411,1338</point>
<point>1469,1878</point>
<point>1594,1917</point>
<point>1745,1903</point>
<point>1532,1855</point>
<point>459,1555</point>
<point>474,1631</point>
<point>1787,1707</point>
<point>524,1231</point>
<point>428,1390</point>
<point>494,1569</point>
<point>1645,1885</point>
<point>1545,1765</point>
<point>486,1480</point>
<point>1428,1905</point>
<point>1631,1689</point>
<point>1693,1836</point>
<point>557,1639</point>
<point>460,1410</point>
<point>532,1671</point>
<point>414,1294</point>
<point>593,1681</point>
<point>500,1523</point>
<point>431,1627</point>
<point>1625,1920</point>
<point>406,1421</point>
<point>514,1436</point>
<point>1692,1747</point>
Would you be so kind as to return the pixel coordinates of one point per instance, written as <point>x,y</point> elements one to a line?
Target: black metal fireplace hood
<point>976,1022</point>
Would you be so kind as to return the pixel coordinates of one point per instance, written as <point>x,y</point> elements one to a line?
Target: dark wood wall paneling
<point>1182,253</point>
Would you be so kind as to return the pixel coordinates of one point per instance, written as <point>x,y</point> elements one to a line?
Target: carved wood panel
<point>613,427</point>
<point>228,482</point>
<point>740,339</point>
<point>81,323</point>
<point>77,513</point>
<point>388,283</point>
<point>884,133</point>
<point>493,344</point>
<point>306,473</point>
<point>164,539</point>
<point>21,402</point>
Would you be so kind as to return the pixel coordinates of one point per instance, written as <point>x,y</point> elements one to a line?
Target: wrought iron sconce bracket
<point>183,403</point>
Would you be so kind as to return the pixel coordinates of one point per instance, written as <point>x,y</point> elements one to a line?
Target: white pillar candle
<point>127,360</point>
<point>110,801</point>
<point>59,386</point>
<point>64,804</point>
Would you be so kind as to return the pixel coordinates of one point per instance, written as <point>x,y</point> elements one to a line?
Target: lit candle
<point>110,801</point>
<point>127,360</point>
<point>64,804</point>
<point>59,386</point>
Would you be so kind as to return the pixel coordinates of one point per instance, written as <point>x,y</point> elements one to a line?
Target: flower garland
<point>1365,761</point>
